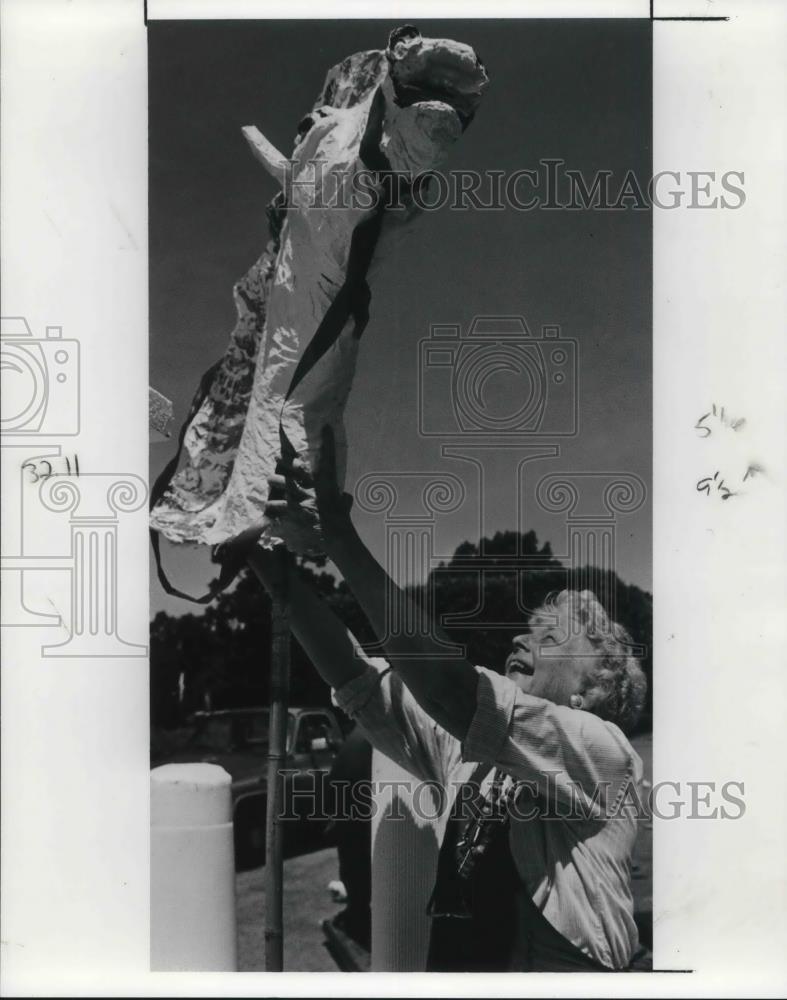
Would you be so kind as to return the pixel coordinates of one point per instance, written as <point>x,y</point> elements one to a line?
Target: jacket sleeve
<point>570,757</point>
<point>395,723</point>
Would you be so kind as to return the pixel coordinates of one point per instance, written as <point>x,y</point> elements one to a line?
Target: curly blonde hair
<point>616,688</point>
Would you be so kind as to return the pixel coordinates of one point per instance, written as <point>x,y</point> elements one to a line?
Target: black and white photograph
<point>429,463</point>
<point>394,466</point>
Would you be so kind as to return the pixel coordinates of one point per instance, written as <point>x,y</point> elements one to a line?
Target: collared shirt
<point>574,855</point>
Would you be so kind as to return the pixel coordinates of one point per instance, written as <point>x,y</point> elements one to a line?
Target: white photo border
<point>75,767</point>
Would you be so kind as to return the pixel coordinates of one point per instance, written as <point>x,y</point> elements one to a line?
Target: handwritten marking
<point>754,470</point>
<point>37,474</point>
<point>717,419</point>
<point>719,415</point>
<point>706,484</point>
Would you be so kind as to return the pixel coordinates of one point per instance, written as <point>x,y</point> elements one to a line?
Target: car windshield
<point>244,731</point>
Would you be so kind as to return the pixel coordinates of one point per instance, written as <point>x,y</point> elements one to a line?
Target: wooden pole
<point>277,759</point>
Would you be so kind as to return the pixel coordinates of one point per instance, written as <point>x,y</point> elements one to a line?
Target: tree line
<point>220,659</point>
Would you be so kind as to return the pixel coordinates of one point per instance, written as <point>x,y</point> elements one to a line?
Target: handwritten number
<point>699,426</point>
<point>721,416</point>
<point>38,473</point>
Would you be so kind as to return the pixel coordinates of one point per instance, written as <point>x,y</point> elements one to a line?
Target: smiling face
<point>554,658</point>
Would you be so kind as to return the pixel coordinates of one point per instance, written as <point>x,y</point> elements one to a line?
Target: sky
<point>579,91</point>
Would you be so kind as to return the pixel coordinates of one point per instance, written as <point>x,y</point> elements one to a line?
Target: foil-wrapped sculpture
<point>301,308</point>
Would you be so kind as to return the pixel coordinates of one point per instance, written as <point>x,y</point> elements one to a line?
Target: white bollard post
<point>192,870</point>
<point>405,846</point>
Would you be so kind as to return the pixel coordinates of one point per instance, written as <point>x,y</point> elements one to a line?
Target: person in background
<point>352,832</point>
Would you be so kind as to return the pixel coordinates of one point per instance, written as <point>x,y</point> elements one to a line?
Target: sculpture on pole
<point>384,119</point>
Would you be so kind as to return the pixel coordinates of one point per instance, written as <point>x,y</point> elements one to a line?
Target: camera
<point>497,379</point>
<point>40,380</point>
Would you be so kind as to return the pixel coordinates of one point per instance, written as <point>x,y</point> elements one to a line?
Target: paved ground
<point>307,902</point>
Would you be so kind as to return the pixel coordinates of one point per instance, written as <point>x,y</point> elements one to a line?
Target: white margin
<point>75,737</point>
